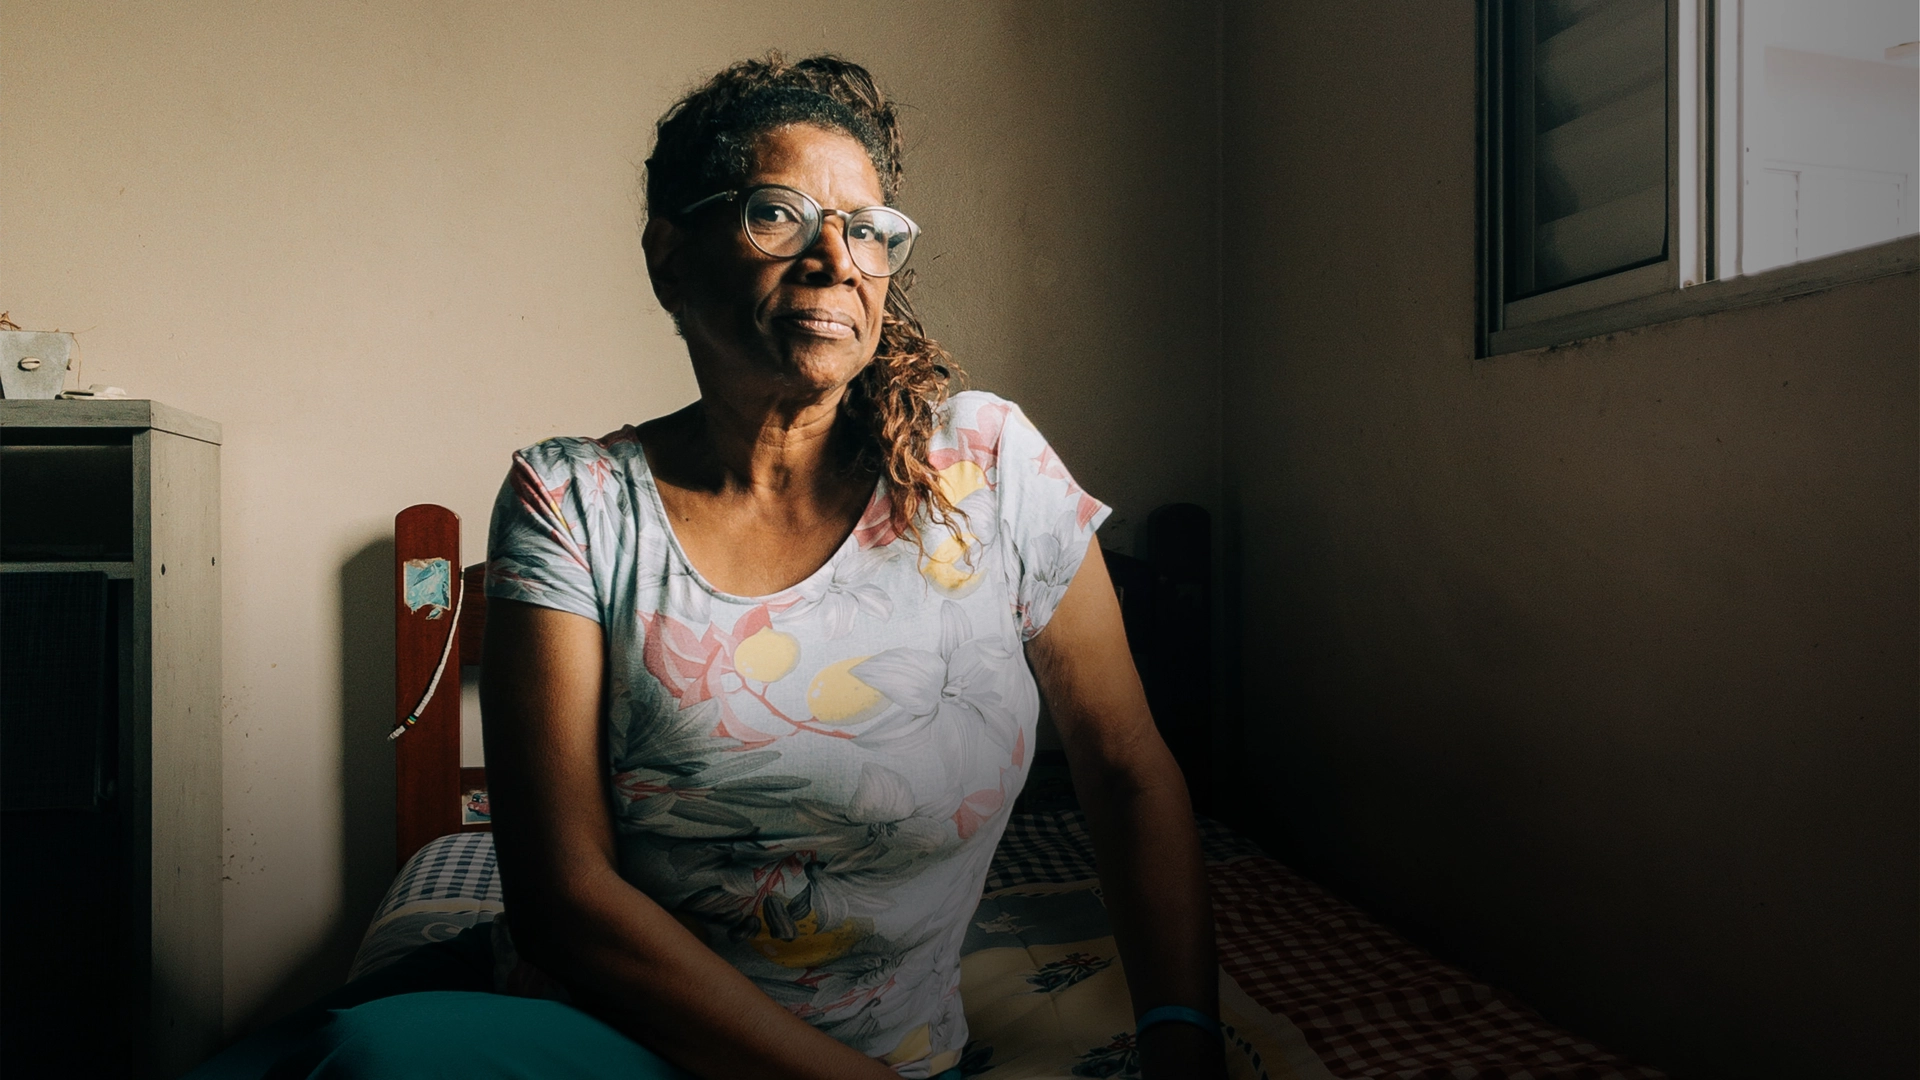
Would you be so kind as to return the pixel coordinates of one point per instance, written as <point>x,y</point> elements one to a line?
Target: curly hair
<point>705,143</point>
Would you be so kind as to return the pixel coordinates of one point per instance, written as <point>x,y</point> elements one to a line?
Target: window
<point>1648,159</point>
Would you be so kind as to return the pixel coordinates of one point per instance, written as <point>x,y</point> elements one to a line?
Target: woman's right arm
<point>621,955</point>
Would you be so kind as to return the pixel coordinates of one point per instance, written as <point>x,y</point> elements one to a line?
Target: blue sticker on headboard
<point>428,583</point>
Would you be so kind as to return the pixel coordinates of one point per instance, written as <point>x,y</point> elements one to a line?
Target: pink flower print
<point>590,465</point>
<point>694,669</point>
<point>541,500</point>
<point>1051,465</point>
<point>711,667</point>
<point>543,505</point>
<point>506,570</point>
<point>856,986</point>
<point>875,527</point>
<point>1088,507</point>
<point>599,471</point>
<point>979,444</point>
<point>976,807</point>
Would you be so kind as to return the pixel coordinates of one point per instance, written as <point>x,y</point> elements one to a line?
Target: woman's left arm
<point>1142,822</point>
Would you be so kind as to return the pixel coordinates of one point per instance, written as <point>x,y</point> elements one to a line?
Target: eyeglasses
<point>782,222</point>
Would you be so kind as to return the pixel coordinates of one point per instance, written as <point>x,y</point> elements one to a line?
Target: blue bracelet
<point>1180,1014</point>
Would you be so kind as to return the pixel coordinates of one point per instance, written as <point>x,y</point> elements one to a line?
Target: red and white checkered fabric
<point>1373,1005</point>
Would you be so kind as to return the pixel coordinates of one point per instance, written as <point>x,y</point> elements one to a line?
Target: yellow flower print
<point>811,946</point>
<point>960,479</point>
<point>913,1046</point>
<point>951,567</point>
<point>767,656</point>
<point>838,696</point>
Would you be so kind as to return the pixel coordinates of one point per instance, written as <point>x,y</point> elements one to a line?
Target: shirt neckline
<point>823,573</point>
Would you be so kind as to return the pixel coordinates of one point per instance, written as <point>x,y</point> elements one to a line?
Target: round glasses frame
<point>815,221</point>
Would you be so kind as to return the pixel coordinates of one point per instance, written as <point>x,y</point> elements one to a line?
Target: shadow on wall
<point>365,635</point>
<point>366,759</point>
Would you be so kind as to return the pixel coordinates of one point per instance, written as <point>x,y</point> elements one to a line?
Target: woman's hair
<point>705,144</point>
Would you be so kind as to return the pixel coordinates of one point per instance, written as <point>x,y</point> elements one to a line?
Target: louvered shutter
<point>1587,140</point>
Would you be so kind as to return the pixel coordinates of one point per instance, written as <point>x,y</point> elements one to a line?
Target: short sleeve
<point>1048,517</point>
<point>536,543</point>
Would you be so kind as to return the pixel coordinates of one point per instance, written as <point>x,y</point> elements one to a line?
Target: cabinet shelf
<point>119,571</point>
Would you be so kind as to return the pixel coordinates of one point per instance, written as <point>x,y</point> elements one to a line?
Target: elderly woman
<point>762,675</point>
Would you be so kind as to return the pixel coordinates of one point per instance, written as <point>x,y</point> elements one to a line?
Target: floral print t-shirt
<point>813,782</point>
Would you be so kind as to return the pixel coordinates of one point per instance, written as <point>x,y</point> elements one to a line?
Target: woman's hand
<point>1141,819</point>
<point>622,956</point>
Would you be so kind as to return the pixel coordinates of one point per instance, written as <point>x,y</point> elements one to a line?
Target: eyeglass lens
<point>783,223</point>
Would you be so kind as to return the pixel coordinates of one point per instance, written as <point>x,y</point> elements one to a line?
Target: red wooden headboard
<point>429,591</point>
<point>1164,598</point>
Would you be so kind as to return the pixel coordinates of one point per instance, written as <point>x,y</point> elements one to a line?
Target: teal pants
<point>462,1035</point>
<point>430,1015</point>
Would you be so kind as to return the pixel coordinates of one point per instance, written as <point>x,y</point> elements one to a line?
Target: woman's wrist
<point>1181,1052</point>
<point>1176,1014</point>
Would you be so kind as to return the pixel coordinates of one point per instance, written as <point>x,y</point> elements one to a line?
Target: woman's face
<point>807,324</point>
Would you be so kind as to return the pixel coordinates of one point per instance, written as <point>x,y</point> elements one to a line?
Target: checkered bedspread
<point>456,867</point>
<point>1369,1003</point>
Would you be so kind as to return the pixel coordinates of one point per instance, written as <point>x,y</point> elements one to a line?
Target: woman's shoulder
<point>976,420</point>
<point>966,405</point>
<point>566,454</point>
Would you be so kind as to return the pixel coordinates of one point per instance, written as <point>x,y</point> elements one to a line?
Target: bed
<point>1310,987</point>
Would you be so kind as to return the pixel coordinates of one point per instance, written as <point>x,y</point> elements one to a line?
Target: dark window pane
<point>1586,178</point>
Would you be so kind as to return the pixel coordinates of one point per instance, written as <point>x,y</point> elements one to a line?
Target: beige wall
<point>1594,667</point>
<point>386,244</point>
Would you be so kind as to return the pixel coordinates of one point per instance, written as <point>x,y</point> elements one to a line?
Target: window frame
<point>1702,208</point>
